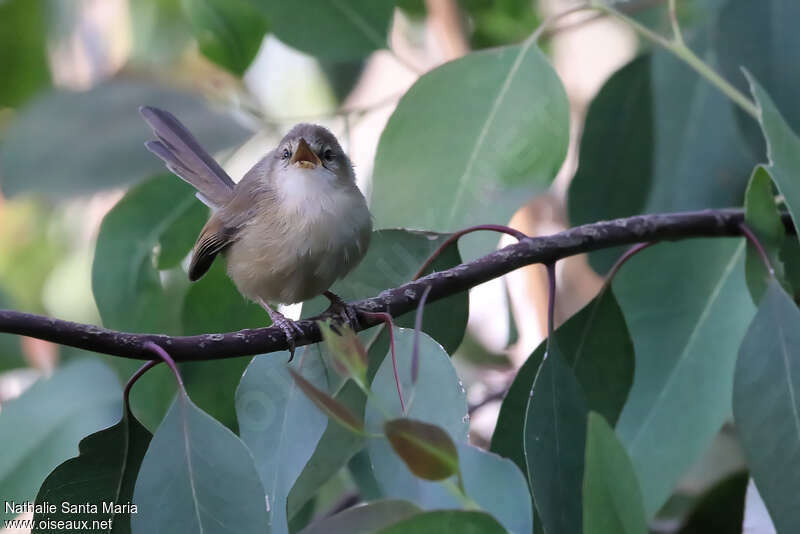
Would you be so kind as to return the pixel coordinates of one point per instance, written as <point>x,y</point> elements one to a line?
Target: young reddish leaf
<point>328,405</point>
<point>426,449</point>
<point>346,353</point>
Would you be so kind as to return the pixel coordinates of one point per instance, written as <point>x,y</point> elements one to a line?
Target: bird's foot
<point>344,310</point>
<point>289,327</point>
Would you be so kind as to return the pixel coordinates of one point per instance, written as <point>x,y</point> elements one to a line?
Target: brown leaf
<point>328,405</point>
<point>426,449</point>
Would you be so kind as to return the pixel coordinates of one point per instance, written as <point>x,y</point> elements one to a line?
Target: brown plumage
<point>293,225</point>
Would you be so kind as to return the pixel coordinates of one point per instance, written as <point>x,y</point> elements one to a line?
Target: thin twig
<point>751,236</point>
<point>387,320</point>
<point>457,235</point>
<point>673,20</point>
<point>164,355</point>
<point>132,380</point>
<point>551,298</point>
<point>628,254</point>
<point>395,301</point>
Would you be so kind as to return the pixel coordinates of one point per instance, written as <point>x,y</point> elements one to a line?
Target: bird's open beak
<point>304,157</point>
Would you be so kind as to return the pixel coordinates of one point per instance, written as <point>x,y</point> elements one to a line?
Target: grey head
<point>312,147</point>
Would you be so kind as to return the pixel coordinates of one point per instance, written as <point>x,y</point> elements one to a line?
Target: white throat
<point>308,190</point>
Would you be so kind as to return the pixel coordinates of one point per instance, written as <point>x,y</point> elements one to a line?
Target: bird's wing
<point>213,239</point>
<point>184,156</point>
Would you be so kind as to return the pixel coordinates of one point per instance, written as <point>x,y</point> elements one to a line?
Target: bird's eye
<point>328,154</point>
<point>286,153</point>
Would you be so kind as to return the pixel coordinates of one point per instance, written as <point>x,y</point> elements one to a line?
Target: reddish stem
<point>455,236</point>
<point>387,319</point>
<point>132,380</point>
<point>628,254</point>
<point>417,330</point>
<point>551,298</point>
<point>751,236</point>
<point>161,353</point>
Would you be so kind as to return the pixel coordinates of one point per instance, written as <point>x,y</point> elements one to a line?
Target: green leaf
<point>763,217</point>
<point>23,50</point>
<point>761,36</point>
<point>483,473</point>
<point>500,23</point>
<point>332,408</point>
<point>103,474</point>
<point>394,256</point>
<point>447,522</point>
<point>439,399</point>
<point>40,154</point>
<point>612,500</point>
<point>330,29</point>
<point>213,304</point>
<point>197,476</point>
<point>229,32</point>
<point>471,140</point>
<point>766,404</point>
<point>596,344</point>
<point>279,424</point>
<point>436,398</point>
<point>333,450</point>
<point>364,519</point>
<point>42,427</point>
<point>127,287</point>
<point>426,449</point>
<point>346,354</point>
<point>689,169</point>
<point>619,122</point>
<point>783,149</point>
<point>554,439</point>
<point>686,319</point>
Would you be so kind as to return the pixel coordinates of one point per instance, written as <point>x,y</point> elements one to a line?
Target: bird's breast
<point>300,249</point>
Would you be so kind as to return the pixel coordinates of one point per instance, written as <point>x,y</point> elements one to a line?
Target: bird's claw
<point>342,309</point>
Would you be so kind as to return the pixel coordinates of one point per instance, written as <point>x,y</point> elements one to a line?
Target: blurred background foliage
<point>92,230</point>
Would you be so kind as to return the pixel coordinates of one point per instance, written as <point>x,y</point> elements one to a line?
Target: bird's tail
<point>186,158</point>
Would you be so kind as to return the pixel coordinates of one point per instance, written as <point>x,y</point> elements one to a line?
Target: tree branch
<point>397,301</point>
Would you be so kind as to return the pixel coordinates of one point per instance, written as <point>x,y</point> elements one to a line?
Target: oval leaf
<point>197,476</point>
<point>127,287</point>
<point>327,404</point>
<point>40,154</point>
<point>596,344</point>
<point>612,501</point>
<point>279,423</point>
<point>685,354</point>
<point>228,32</point>
<point>436,398</point>
<point>426,449</point>
<point>466,132</point>
<point>555,436</point>
<point>766,404</point>
<point>103,475</point>
<point>763,218</point>
<point>677,165</point>
<point>783,149</point>
<point>47,421</point>
<point>330,29</point>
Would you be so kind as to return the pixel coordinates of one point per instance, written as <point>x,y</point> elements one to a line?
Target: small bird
<point>293,225</point>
